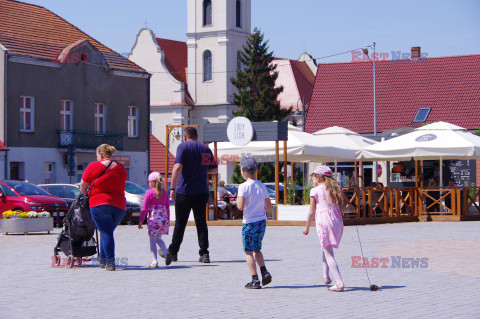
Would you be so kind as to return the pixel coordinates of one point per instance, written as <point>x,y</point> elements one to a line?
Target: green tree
<point>256,93</point>
<point>478,130</point>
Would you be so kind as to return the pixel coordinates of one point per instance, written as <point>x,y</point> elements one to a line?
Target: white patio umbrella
<point>343,138</point>
<point>432,141</point>
<point>435,141</point>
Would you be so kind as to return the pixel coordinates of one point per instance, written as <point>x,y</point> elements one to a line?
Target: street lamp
<point>365,51</point>
<point>301,114</point>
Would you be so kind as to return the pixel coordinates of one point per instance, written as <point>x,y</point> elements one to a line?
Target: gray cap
<point>249,165</point>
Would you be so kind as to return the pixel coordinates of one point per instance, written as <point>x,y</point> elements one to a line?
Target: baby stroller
<point>77,237</point>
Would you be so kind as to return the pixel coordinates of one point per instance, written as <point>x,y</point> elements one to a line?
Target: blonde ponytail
<point>158,187</point>
<point>334,190</point>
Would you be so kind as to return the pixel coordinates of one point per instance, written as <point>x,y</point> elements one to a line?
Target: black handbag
<point>81,208</point>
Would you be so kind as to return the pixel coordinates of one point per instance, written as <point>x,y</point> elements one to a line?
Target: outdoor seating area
<point>437,141</point>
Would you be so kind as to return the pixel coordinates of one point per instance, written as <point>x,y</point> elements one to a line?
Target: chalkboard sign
<point>463,172</point>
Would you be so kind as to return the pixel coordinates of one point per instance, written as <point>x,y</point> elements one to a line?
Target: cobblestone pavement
<point>447,287</point>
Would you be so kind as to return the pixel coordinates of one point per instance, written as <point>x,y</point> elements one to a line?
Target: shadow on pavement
<point>240,261</point>
<point>346,288</point>
<point>368,288</point>
<point>294,287</point>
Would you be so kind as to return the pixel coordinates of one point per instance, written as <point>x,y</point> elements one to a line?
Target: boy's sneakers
<point>266,278</point>
<point>254,284</point>
<point>110,266</point>
<point>205,258</point>
<point>174,257</point>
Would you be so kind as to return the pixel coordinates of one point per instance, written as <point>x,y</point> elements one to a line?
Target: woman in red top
<point>107,199</point>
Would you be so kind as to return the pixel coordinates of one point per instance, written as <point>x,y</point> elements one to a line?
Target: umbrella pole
<point>285,175</point>
<point>277,188</point>
<point>336,171</point>
<point>441,182</point>
<point>215,184</point>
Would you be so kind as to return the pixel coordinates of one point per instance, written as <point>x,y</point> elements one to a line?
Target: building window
<point>422,115</point>
<point>99,118</point>
<point>207,13</point>
<point>26,114</point>
<point>132,121</point>
<point>239,62</point>
<point>66,115</point>
<point>239,14</point>
<point>207,66</point>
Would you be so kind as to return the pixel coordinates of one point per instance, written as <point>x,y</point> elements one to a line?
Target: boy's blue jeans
<point>107,218</point>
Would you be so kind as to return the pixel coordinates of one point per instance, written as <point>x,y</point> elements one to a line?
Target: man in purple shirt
<point>189,190</point>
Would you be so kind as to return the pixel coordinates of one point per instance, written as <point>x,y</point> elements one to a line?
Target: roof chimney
<point>415,52</point>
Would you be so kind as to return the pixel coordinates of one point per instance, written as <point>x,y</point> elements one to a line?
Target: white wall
<point>35,159</point>
<point>164,88</point>
<point>2,93</point>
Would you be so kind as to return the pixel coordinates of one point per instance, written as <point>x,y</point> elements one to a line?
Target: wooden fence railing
<point>372,202</point>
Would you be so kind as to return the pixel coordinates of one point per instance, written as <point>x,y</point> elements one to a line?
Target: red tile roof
<point>176,59</point>
<point>343,93</point>
<point>31,30</point>
<point>3,147</point>
<point>157,156</point>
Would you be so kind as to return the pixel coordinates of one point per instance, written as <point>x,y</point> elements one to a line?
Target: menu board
<point>463,172</point>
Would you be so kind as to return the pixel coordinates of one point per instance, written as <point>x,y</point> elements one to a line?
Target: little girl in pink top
<point>325,201</point>
<point>156,206</point>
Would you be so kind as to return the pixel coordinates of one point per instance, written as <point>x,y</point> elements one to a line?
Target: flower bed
<point>25,222</point>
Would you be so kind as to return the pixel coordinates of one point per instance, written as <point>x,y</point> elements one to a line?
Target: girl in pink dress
<point>325,201</point>
<point>156,206</point>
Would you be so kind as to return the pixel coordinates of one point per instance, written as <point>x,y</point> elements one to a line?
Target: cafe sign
<point>123,159</point>
<point>240,131</point>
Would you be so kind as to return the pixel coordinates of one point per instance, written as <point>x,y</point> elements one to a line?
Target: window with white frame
<point>132,121</point>
<point>99,117</point>
<point>238,9</point>
<point>66,115</point>
<point>26,114</point>
<point>207,66</point>
<point>207,13</point>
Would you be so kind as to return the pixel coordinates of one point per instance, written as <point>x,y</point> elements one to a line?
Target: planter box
<point>26,225</point>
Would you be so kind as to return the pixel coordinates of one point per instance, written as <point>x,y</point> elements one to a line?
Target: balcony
<point>90,139</point>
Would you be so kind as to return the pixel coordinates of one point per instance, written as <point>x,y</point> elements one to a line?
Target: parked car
<point>24,196</point>
<point>298,191</point>
<point>233,188</point>
<point>68,192</point>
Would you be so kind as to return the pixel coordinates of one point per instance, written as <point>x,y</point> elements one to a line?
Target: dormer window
<point>207,13</point>
<point>239,14</point>
<point>422,115</point>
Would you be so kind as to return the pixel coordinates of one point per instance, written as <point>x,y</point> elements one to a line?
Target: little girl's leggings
<point>329,263</point>
<point>154,241</point>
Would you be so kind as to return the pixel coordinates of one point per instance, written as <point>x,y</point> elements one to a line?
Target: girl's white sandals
<point>154,264</point>
<point>336,288</point>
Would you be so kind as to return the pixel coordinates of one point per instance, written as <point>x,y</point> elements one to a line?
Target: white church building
<point>190,82</point>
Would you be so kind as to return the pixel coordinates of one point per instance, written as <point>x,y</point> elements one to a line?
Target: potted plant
<point>25,222</point>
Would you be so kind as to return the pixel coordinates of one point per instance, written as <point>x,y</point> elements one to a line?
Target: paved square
<point>448,287</point>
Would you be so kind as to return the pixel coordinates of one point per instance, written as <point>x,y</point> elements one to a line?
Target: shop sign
<point>123,159</point>
<point>240,131</point>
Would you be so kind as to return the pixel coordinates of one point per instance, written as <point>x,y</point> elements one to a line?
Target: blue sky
<point>322,28</point>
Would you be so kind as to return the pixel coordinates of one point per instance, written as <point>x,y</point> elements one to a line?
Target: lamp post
<point>303,115</point>
<point>365,51</point>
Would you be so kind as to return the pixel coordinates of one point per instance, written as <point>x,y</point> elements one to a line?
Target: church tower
<point>216,31</point>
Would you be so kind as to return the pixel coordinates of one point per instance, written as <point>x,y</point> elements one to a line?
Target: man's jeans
<point>183,205</point>
<point>107,218</point>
